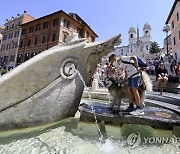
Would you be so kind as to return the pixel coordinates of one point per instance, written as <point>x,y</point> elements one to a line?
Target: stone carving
<point>47,88</point>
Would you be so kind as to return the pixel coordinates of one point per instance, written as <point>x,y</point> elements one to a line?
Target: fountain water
<point>92,105</point>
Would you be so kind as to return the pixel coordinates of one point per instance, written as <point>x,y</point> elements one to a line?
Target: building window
<point>14,45</point>
<point>12,58</point>
<point>65,35</point>
<point>29,42</point>
<point>87,34</point>
<point>16,34</point>
<point>12,25</point>
<point>10,36</point>
<point>21,44</point>
<point>35,41</point>
<point>38,27</point>
<point>4,37</point>
<point>174,39</point>
<point>43,39</point>
<point>23,32</point>
<point>19,58</point>
<point>147,48</point>
<point>8,46</point>
<point>2,47</point>
<point>131,36</point>
<point>31,29</point>
<point>0,60</point>
<point>45,25</point>
<point>92,38</point>
<point>53,37</point>
<point>172,24</point>
<point>33,54</point>
<point>177,16</point>
<point>56,22</point>
<point>66,23</point>
<point>5,60</point>
<point>80,32</point>
<point>27,56</point>
<point>19,23</point>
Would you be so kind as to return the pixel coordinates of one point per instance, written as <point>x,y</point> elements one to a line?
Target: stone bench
<point>171,87</point>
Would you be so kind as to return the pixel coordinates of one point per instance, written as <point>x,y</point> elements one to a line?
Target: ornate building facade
<point>50,30</point>
<point>10,39</point>
<point>138,45</point>
<point>173,19</point>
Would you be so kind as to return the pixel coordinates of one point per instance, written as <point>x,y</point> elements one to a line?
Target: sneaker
<point>141,107</point>
<point>137,112</point>
<point>164,90</point>
<point>130,108</point>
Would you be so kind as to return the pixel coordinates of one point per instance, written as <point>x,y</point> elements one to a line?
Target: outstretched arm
<point>134,58</point>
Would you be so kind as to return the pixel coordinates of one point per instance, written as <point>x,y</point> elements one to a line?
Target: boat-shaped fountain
<point>47,88</point>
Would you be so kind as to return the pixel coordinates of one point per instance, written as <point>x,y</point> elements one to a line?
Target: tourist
<point>162,76</point>
<point>173,68</point>
<point>100,71</point>
<point>132,74</point>
<point>111,69</point>
<point>178,69</point>
<point>156,64</point>
<point>152,68</point>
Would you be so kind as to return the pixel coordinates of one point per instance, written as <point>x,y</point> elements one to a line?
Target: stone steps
<point>171,107</point>
<point>171,87</point>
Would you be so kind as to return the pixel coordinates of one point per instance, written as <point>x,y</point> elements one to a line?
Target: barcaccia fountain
<point>46,88</point>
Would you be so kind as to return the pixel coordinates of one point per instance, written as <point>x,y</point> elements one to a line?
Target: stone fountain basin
<point>154,116</point>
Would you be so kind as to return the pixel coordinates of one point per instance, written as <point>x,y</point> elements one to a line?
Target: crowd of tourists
<point>154,67</point>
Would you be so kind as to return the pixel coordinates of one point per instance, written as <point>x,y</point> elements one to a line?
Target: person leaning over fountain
<point>162,76</point>
<point>133,76</point>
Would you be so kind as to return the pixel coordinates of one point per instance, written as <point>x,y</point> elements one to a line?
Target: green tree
<point>154,48</point>
<point>166,29</point>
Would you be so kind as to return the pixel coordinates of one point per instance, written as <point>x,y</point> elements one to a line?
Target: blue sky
<point>106,17</point>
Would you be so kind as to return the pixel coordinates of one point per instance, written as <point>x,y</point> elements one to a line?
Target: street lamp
<point>166,29</point>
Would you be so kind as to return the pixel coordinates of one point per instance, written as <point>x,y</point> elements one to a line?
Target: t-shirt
<point>162,72</point>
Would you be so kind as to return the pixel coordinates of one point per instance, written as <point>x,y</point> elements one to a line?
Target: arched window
<point>29,42</point>
<point>65,35</point>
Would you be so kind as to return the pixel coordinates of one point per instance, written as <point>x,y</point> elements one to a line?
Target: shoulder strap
<point>126,62</point>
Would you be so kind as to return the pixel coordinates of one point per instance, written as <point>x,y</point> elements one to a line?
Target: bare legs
<point>130,95</point>
<point>134,94</point>
<point>160,79</point>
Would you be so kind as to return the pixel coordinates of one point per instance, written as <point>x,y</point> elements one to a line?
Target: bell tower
<point>132,35</point>
<point>147,30</point>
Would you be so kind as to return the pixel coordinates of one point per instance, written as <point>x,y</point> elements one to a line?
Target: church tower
<point>132,35</point>
<point>147,30</point>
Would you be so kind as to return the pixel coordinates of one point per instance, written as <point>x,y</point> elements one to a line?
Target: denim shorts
<point>133,82</point>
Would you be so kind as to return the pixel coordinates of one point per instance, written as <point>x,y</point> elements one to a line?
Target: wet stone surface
<point>153,116</point>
